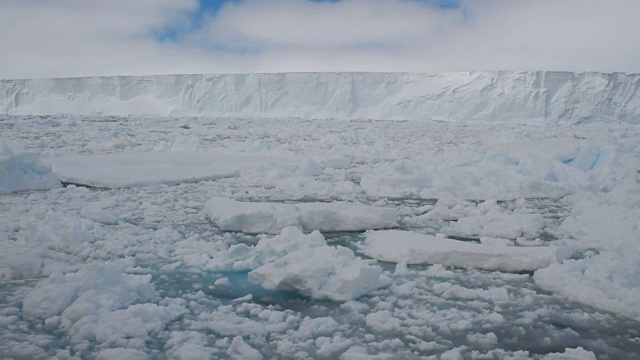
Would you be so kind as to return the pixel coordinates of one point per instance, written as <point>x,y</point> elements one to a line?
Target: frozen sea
<point>193,238</point>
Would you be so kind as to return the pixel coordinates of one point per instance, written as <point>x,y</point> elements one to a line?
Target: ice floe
<point>413,248</point>
<point>271,218</point>
<point>127,169</point>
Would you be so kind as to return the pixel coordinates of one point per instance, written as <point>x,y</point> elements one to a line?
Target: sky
<point>68,38</point>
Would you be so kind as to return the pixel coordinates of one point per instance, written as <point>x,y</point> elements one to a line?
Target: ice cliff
<point>492,96</point>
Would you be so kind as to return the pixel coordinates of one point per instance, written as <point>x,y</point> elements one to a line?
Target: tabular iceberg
<point>487,96</point>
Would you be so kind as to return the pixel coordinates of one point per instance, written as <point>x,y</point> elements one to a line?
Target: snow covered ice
<point>297,221</point>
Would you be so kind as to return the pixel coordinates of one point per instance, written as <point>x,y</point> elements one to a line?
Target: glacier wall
<point>487,96</point>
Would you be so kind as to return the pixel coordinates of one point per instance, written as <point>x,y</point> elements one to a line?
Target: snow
<point>255,218</point>
<point>413,248</point>
<point>492,96</point>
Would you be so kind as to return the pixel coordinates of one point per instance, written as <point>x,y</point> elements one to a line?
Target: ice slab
<point>128,169</point>
<point>270,218</point>
<point>413,248</point>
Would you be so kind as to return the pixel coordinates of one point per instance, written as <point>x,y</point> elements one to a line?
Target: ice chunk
<point>608,281</point>
<point>323,273</point>
<point>29,263</point>
<point>404,246</point>
<point>492,241</point>
<point>122,353</point>
<point>92,289</point>
<point>21,172</point>
<point>492,221</point>
<point>578,353</point>
<point>242,351</point>
<point>345,217</point>
<point>289,241</point>
<point>252,217</point>
<point>111,328</point>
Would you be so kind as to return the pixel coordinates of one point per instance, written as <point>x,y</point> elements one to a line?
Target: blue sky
<point>59,38</point>
<point>211,8</point>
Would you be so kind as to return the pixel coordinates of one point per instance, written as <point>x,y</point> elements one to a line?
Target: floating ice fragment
<point>270,218</point>
<point>242,351</point>
<point>22,172</point>
<point>412,248</point>
<point>127,169</point>
<point>326,272</point>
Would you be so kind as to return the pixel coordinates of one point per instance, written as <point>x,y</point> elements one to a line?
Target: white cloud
<point>82,37</point>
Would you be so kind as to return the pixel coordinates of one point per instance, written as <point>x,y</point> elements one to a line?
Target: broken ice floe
<point>322,273</point>
<point>293,261</point>
<point>413,248</point>
<point>270,218</point>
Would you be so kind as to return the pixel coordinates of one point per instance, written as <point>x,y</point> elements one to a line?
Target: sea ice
<point>489,219</point>
<point>242,351</point>
<point>271,218</point>
<point>127,169</point>
<point>413,248</point>
<point>322,273</point>
<point>608,281</point>
<point>93,289</point>
<point>546,169</point>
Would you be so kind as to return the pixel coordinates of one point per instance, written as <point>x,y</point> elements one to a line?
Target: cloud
<point>44,38</point>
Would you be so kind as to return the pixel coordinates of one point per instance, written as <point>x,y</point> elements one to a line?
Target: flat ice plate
<point>129,169</point>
